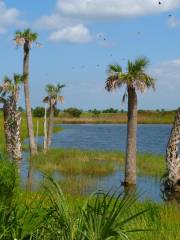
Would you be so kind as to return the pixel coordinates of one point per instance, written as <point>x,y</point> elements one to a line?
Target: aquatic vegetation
<point>49,214</point>
<point>73,162</point>
<point>98,163</point>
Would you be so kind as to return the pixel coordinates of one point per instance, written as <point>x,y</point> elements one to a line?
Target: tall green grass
<point>50,215</point>
<point>98,163</point>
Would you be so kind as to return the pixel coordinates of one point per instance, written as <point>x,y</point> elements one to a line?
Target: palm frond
<point>141,63</point>
<point>135,76</point>
<point>18,79</point>
<point>2,100</point>
<point>26,35</point>
<point>60,86</point>
<point>46,99</point>
<point>114,68</point>
<point>60,99</point>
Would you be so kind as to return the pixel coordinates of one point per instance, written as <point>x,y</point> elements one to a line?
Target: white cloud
<point>168,74</point>
<point>72,34</point>
<point>54,21</point>
<point>71,13</point>
<point>8,17</point>
<point>94,9</point>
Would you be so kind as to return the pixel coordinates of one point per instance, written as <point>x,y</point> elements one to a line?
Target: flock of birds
<point>101,37</point>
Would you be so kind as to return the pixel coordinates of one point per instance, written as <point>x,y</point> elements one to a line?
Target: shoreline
<point>90,121</point>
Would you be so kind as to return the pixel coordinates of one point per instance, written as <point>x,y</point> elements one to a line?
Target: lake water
<point>151,139</point>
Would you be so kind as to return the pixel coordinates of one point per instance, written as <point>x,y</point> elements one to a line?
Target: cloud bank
<point>8,17</point>
<point>72,16</point>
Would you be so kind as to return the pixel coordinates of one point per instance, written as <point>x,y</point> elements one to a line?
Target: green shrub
<point>38,112</point>
<point>74,112</point>
<point>95,112</point>
<point>110,110</point>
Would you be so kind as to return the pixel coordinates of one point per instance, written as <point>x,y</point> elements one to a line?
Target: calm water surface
<point>151,139</point>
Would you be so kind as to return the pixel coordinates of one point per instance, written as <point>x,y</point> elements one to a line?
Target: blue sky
<point>74,51</point>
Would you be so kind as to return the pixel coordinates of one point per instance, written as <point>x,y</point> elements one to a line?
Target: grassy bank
<point>24,130</point>
<point>49,214</point>
<point>149,117</point>
<point>74,162</point>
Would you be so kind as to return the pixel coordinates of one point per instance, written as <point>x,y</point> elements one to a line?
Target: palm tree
<point>135,79</point>
<point>52,99</point>
<point>26,39</point>
<point>9,91</point>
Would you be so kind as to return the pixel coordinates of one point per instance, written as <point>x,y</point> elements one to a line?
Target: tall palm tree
<point>52,99</point>
<point>26,39</point>
<point>9,91</point>
<point>134,79</point>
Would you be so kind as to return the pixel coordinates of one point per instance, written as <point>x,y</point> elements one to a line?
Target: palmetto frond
<point>135,76</point>
<point>26,35</point>
<point>11,86</point>
<point>46,99</point>
<point>2,100</point>
<point>114,79</point>
<point>18,79</point>
<point>53,92</point>
<point>112,83</point>
<point>60,86</point>
<point>114,69</point>
<point>60,99</point>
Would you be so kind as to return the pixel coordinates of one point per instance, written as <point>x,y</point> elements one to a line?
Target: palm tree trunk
<point>15,136</point>
<point>7,131</point>
<point>130,165</point>
<point>45,128</point>
<point>172,156</point>
<point>50,126</point>
<point>32,145</point>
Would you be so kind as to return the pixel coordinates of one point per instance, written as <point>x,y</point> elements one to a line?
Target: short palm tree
<point>134,79</point>
<point>9,91</point>
<point>26,39</point>
<point>52,99</point>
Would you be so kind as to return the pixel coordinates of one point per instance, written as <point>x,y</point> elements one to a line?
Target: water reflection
<point>151,138</point>
<point>29,183</point>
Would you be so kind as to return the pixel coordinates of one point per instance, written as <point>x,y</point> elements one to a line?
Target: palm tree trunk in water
<point>172,156</point>
<point>32,145</point>
<point>130,165</point>
<point>45,129</point>
<point>50,125</point>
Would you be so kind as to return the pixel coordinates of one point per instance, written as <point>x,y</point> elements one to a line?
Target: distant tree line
<point>75,112</point>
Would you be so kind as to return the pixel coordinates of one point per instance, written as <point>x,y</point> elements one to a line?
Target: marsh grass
<point>74,162</point>
<point>149,117</point>
<point>77,185</point>
<point>49,214</point>
<point>97,163</point>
